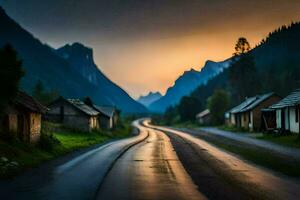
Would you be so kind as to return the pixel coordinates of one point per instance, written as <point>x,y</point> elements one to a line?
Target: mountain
<point>149,98</point>
<point>69,70</point>
<point>277,60</point>
<point>188,82</point>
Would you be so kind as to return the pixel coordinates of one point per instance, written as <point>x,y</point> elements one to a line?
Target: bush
<point>48,141</point>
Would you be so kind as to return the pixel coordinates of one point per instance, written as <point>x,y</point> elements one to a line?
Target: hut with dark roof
<point>248,115</point>
<point>22,118</point>
<point>73,113</point>
<point>204,117</point>
<point>287,113</point>
<point>108,116</point>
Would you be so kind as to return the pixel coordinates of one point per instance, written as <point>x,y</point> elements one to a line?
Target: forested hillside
<point>277,63</point>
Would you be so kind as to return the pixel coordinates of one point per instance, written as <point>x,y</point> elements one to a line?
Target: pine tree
<point>11,73</point>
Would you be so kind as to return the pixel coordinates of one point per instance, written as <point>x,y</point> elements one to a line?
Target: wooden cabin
<point>22,118</point>
<point>203,117</point>
<point>233,116</point>
<point>287,113</point>
<point>73,113</point>
<point>248,115</point>
<point>108,116</point>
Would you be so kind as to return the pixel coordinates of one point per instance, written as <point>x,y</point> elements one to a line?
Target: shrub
<point>48,141</point>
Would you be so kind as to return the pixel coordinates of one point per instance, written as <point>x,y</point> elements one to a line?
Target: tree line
<point>272,66</point>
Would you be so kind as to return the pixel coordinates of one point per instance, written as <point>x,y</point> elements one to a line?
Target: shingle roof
<point>241,106</point>
<point>250,103</point>
<point>203,113</point>
<point>27,101</point>
<point>83,107</point>
<point>291,100</point>
<point>106,110</point>
<point>257,101</point>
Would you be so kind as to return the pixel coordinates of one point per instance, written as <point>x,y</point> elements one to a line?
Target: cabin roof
<point>241,106</point>
<point>27,101</point>
<point>250,103</point>
<point>83,107</point>
<point>106,110</point>
<point>203,113</point>
<point>292,99</point>
<point>257,101</point>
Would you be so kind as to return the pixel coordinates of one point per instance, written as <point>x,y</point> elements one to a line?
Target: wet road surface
<point>159,163</point>
<point>75,178</point>
<point>252,181</point>
<point>149,170</point>
<point>288,151</point>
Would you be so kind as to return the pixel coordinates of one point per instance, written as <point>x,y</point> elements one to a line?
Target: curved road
<point>159,163</point>
<point>149,170</point>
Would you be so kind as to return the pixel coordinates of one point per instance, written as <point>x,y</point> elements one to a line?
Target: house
<point>108,116</point>
<point>248,114</point>
<point>22,118</point>
<point>287,112</point>
<point>73,113</point>
<point>204,117</point>
<point>233,116</point>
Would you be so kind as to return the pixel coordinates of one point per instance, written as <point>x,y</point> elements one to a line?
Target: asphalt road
<point>149,170</point>
<point>159,163</point>
<point>72,177</point>
<point>231,177</point>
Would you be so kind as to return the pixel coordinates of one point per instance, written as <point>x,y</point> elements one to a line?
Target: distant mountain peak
<point>186,83</point>
<point>149,98</point>
<point>69,70</point>
<point>76,50</point>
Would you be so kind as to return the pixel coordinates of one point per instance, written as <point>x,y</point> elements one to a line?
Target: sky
<point>144,45</point>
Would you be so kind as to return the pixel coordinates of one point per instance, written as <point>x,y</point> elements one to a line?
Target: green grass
<point>187,124</point>
<point>259,156</point>
<point>232,129</point>
<point>58,141</point>
<point>285,140</point>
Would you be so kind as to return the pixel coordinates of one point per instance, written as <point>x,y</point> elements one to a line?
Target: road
<point>288,151</point>
<point>149,170</point>
<point>72,177</point>
<point>159,163</point>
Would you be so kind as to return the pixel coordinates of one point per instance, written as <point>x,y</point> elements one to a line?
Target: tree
<point>11,73</point>
<point>43,96</point>
<point>242,46</point>
<point>243,76</point>
<point>170,115</point>
<point>188,108</point>
<point>218,104</point>
<point>88,101</point>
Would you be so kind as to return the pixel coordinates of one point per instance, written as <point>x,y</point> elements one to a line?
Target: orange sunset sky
<point>145,45</point>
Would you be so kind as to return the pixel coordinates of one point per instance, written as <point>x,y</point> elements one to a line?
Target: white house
<point>287,112</point>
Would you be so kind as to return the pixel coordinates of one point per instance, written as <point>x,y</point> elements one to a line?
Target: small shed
<point>204,117</point>
<point>73,113</point>
<point>108,116</point>
<point>23,117</point>
<point>233,115</point>
<point>287,113</point>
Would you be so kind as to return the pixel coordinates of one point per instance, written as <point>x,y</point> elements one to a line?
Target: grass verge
<point>259,156</point>
<point>292,140</point>
<point>233,129</point>
<point>16,156</point>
